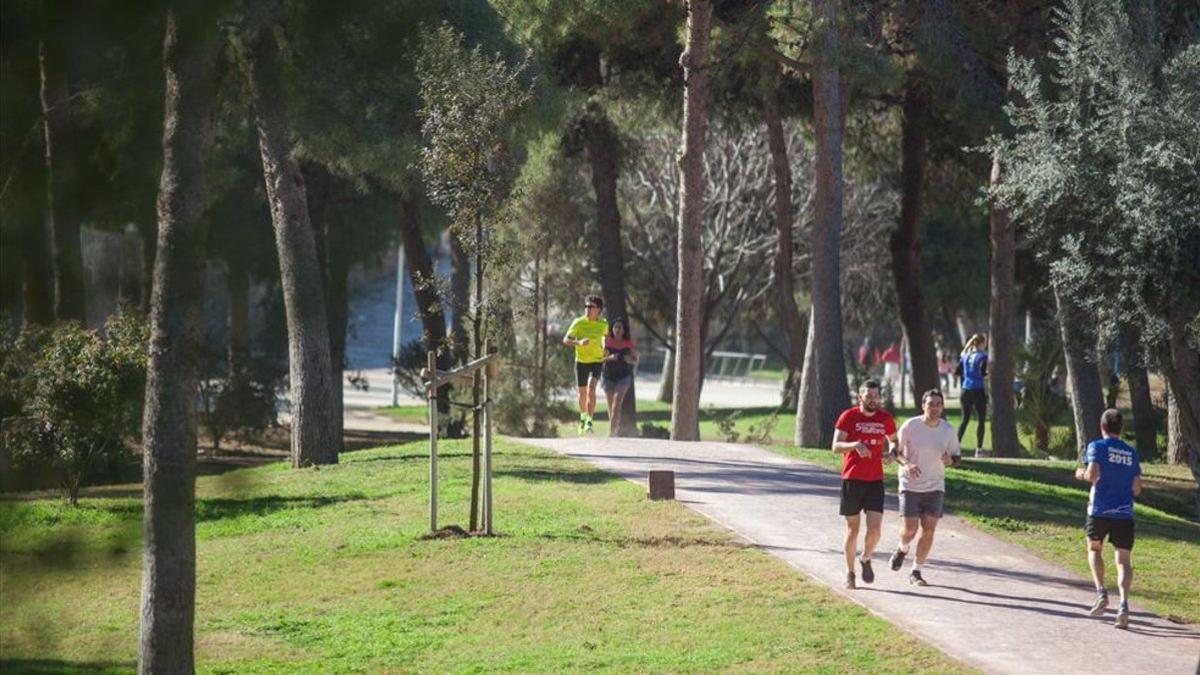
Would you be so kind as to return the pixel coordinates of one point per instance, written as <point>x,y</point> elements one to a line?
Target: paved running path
<point>990,604</point>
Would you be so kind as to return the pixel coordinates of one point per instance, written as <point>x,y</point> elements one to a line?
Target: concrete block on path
<point>662,484</point>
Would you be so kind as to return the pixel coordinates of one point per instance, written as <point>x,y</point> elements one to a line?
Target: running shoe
<point>868,574</point>
<point>588,425</point>
<point>916,578</point>
<point>582,425</point>
<point>897,560</point>
<point>850,580</point>
<point>1100,605</point>
<point>1122,617</point>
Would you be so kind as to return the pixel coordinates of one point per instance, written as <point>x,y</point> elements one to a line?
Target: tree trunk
<point>808,399</point>
<point>62,214</point>
<point>666,385</point>
<point>1139,397</point>
<point>825,329</point>
<point>1176,448</point>
<point>785,281</point>
<point>147,233</point>
<point>37,283</point>
<point>424,283</point>
<point>169,425</point>
<point>335,270</point>
<point>685,412</point>
<point>238,321</point>
<point>1087,396</point>
<point>601,145</point>
<point>905,241</point>
<point>1184,377</point>
<point>460,298</point>
<point>314,421</point>
<point>1001,367</point>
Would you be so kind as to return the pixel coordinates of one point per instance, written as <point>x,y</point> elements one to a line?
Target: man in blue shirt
<point>1112,467</point>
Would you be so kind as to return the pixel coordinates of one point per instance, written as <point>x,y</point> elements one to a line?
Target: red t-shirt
<point>872,430</point>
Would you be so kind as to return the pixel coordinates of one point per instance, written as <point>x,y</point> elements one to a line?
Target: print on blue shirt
<point>972,368</point>
<point>1112,495</point>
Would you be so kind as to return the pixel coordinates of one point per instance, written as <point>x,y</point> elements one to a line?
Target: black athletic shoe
<point>1099,605</point>
<point>916,578</point>
<point>897,560</point>
<point>868,574</point>
<point>850,581</point>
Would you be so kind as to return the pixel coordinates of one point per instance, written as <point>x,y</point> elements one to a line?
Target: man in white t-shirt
<point>927,444</point>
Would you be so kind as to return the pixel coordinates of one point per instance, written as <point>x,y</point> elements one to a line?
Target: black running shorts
<point>861,495</point>
<point>583,371</point>
<point>1118,530</point>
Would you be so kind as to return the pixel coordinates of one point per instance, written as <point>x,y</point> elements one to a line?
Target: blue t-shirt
<point>1112,495</point>
<point>972,368</point>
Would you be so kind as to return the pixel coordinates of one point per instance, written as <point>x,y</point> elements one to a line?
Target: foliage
<point>658,431</point>
<point>738,228</point>
<point>757,433</point>
<point>467,100</point>
<point>1040,397</point>
<point>244,405</point>
<point>1104,165</point>
<point>85,398</point>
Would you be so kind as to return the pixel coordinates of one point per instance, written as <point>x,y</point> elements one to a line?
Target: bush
<point>1036,363</point>
<point>243,405</point>
<point>521,412</point>
<point>84,400</point>
<point>650,430</point>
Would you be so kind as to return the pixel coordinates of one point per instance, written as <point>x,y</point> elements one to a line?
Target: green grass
<point>326,571</point>
<point>1039,505</point>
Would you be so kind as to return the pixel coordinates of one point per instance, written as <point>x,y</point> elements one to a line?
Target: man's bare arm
<point>841,446</point>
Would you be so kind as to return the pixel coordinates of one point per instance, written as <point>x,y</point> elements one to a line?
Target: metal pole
<point>487,444</point>
<point>903,367</point>
<point>431,361</point>
<point>398,323</point>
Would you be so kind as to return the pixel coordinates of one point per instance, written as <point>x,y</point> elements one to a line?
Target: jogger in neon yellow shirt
<point>586,335</point>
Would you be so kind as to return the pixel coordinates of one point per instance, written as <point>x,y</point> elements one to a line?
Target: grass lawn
<point>326,571</point>
<point>1040,506</point>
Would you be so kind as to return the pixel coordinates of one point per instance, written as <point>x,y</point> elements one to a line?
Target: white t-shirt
<point>923,446</point>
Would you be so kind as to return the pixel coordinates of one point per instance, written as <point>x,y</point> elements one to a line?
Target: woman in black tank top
<point>619,358</point>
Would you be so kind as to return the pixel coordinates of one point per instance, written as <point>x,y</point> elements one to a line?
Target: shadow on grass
<point>1018,509</point>
<point>1174,499</point>
<point>576,477</point>
<point>49,666</point>
<point>74,546</point>
<point>659,542</point>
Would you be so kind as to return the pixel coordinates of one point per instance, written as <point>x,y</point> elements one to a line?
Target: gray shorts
<point>917,504</point>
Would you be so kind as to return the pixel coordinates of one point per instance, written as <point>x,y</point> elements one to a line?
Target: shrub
<point>84,399</point>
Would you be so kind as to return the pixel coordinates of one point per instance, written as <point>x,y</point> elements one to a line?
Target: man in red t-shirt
<point>859,437</point>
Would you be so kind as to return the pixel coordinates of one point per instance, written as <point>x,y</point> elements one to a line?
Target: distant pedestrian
<point>927,445</point>
<point>1112,467</point>
<point>859,436</point>
<point>619,358</point>
<point>973,364</point>
<point>586,335</point>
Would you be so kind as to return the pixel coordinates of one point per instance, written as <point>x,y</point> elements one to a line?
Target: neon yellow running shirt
<point>593,331</point>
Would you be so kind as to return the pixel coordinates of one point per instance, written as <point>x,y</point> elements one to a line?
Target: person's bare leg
<point>925,543</point>
<point>1096,562</point>
<point>591,400</point>
<point>874,526</point>
<point>616,404</point>
<point>582,399</point>
<point>610,398</point>
<point>1124,573</point>
<point>850,543</point>
<point>908,532</point>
